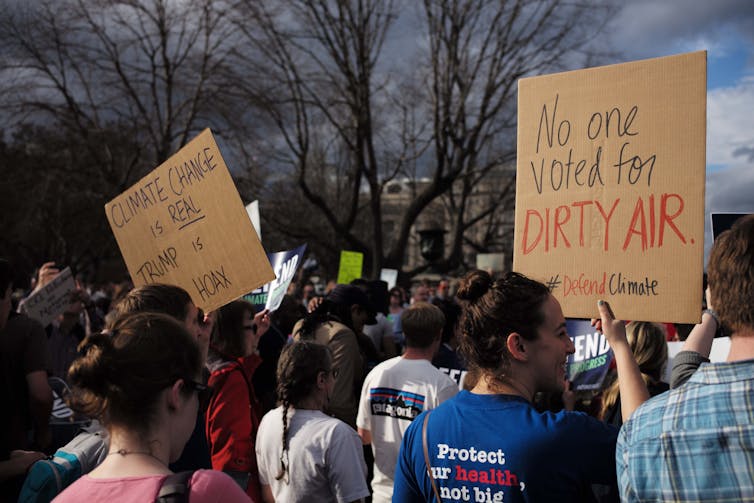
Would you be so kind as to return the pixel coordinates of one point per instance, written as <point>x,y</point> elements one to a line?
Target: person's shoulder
<point>214,485</point>
<point>21,324</point>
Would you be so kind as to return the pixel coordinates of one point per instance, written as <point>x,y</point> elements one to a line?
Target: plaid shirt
<point>693,443</point>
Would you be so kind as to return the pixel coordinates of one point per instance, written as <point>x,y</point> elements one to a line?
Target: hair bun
<point>92,369</point>
<point>474,285</point>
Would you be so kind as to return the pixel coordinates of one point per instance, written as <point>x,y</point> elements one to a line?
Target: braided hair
<point>299,365</point>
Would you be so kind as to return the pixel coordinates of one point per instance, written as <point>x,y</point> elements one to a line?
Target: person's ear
<point>517,347</point>
<point>174,398</point>
<point>322,379</point>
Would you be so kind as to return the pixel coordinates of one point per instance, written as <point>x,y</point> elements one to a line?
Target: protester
<point>141,382</point>
<point>336,323</point>
<point>381,333</point>
<point>27,398</point>
<point>397,390</point>
<point>697,346</point>
<point>491,444</point>
<point>234,412</point>
<point>176,303</point>
<point>694,442</point>
<point>650,349</point>
<point>397,302</point>
<point>305,455</point>
<point>447,358</point>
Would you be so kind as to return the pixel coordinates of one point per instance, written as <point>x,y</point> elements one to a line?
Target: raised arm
<point>633,390</point>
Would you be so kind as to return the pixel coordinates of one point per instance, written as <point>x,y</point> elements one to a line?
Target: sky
<point>725,28</point>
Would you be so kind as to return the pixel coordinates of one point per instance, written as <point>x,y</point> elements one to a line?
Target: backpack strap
<point>175,488</point>
<point>426,457</point>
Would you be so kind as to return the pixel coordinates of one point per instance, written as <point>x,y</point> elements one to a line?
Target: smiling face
<point>549,351</point>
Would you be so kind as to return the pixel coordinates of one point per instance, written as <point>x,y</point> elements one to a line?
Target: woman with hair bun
<point>304,454</point>
<point>141,382</point>
<point>490,443</point>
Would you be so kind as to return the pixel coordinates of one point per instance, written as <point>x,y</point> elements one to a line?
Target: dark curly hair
<point>491,311</point>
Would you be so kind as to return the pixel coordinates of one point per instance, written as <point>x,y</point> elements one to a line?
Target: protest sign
<point>184,224</point>
<point>721,222</point>
<point>52,299</point>
<point>284,264</point>
<point>610,187</point>
<point>588,365</point>
<point>389,276</point>
<point>253,210</point>
<point>351,263</point>
<point>490,262</point>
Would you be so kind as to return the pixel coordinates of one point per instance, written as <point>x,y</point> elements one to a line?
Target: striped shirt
<point>693,443</point>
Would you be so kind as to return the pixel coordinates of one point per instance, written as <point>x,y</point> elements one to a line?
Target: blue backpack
<point>48,477</point>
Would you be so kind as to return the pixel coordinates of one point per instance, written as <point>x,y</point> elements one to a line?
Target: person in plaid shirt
<point>696,442</point>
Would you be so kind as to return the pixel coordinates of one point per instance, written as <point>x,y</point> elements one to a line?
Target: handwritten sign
<point>185,224</point>
<point>52,299</point>
<point>285,264</point>
<point>351,263</point>
<point>253,210</point>
<point>610,187</point>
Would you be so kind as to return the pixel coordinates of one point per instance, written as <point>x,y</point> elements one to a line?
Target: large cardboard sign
<point>610,187</point>
<point>52,299</point>
<point>284,264</point>
<point>351,264</point>
<point>184,224</point>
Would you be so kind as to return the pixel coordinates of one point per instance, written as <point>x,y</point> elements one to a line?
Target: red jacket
<point>233,419</point>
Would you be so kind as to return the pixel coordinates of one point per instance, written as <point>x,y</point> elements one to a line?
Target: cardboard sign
<point>184,224</point>
<point>52,299</point>
<point>490,262</point>
<point>253,210</point>
<point>351,263</point>
<point>610,187</point>
<point>588,365</point>
<point>284,264</point>
<point>721,222</point>
<point>389,276</point>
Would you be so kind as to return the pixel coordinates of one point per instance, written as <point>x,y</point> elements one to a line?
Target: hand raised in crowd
<point>46,273</point>
<point>314,303</point>
<point>262,322</point>
<point>614,330</point>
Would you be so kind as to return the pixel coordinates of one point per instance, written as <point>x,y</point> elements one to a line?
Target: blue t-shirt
<point>490,448</point>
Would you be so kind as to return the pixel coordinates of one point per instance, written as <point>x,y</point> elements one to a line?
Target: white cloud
<point>730,124</point>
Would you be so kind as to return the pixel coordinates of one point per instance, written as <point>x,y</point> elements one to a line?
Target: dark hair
<point>299,365</point>
<point>156,298</point>
<point>494,309</point>
<point>731,275</point>
<point>452,312</point>
<point>6,276</point>
<point>326,311</point>
<point>228,337</point>
<point>119,375</point>
<point>422,323</point>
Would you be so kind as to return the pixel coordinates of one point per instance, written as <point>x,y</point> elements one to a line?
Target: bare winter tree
<point>347,123</point>
<point>124,82</point>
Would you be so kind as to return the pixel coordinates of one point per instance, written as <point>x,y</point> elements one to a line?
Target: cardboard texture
<point>184,224</point>
<point>610,187</point>
<point>351,263</point>
<point>47,303</point>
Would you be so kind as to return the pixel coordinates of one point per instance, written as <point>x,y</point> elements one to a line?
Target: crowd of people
<point>369,393</point>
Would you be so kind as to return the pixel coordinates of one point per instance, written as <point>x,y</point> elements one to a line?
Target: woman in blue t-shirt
<point>490,444</point>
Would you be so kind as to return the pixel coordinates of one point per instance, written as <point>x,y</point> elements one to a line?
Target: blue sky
<point>725,28</point>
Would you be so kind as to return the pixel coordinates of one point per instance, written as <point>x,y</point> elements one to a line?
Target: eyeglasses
<point>203,392</point>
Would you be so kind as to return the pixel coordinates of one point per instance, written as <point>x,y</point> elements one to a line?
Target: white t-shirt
<point>325,457</point>
<point>394,393</point>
